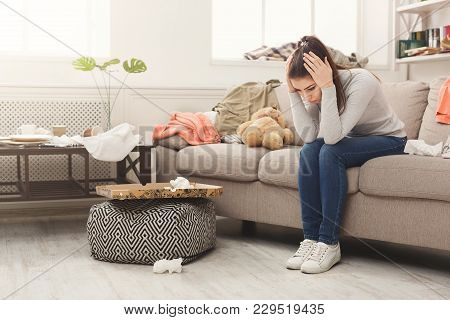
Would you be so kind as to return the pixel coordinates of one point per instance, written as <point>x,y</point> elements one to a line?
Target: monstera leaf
<point>135,66</point>
<point>84,64</point>
<point>109,63</point>
<point>108,101</point>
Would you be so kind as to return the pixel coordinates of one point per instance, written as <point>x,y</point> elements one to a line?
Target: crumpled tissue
<point>179,183</point>
<point>62,141</point>
<point>419,147</point>
<point>164,265</point>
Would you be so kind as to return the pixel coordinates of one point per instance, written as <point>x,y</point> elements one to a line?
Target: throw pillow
<point>432,131</point>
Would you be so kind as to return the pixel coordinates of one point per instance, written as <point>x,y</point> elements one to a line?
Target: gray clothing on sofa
<point>367,111</point>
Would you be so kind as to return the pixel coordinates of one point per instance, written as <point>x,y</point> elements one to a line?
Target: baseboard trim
<point>47,204</point>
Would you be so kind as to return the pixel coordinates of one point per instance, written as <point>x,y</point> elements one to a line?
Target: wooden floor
<point>44,255</point>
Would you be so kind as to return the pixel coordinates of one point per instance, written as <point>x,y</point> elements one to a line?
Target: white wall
<point>173,37</point>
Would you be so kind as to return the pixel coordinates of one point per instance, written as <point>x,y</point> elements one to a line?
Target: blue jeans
<point>322,179</point>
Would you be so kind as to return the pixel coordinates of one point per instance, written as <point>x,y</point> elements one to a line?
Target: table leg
<point>27,193</point>
<point>145,166</point>
<point>153,159</point>
<point>19,175</point>
<point>120,171</point>
<point>86,174</point>
<point>69,167</point>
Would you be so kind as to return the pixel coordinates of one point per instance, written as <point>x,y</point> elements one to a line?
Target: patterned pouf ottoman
<point>145,231</point>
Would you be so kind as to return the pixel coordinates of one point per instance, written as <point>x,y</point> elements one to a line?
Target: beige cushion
<point>222,161</point>
<point>280,168</point>
<point>416,222</point>
<point>431,131</point>
<point>408,99</point>
<point>239,199</point>
<point>285,108</point>
<point>409,176</point>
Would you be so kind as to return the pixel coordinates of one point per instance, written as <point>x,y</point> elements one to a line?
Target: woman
<point>344,120</point>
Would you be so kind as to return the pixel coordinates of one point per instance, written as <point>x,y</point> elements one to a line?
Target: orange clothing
<point>443,105</point>
<point>195,128</point>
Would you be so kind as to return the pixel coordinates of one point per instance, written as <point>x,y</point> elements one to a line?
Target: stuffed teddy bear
<point>266,128</point>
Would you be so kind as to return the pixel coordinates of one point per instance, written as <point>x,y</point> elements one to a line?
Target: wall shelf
<point>409,15</point>
<point>428,58</point>
<point>423,6</point>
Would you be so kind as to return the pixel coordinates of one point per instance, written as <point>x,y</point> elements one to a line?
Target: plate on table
<point>21,143</point>
<point>30,137</point>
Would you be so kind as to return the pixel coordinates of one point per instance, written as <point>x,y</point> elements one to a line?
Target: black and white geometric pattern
<point>145,231</point>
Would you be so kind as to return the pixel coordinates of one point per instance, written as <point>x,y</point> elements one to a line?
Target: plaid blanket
<point>281,53</point>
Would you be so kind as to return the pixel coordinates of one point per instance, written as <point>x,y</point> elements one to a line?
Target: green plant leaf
<point>134,66</point>
<point>109,63</point>
<point>84,64</point>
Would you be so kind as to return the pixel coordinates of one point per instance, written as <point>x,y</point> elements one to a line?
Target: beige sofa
<point>402,199</point>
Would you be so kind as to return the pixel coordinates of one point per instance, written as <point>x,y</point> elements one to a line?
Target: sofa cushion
<point>225,161</point>
<point>408,99</point>
<point>280,168</point>
<point>285,108</point>
<point>409,176</point>
<point>431,131</point>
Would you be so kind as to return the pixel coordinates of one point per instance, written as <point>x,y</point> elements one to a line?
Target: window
<point>242,26</point>
<point>336,24</point>
<point>83,25</point>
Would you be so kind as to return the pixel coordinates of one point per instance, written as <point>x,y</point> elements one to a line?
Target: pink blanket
<point>195,128</point>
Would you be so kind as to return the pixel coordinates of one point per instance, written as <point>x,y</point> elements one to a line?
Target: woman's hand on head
<point>288,81</point>
<point>320,71</point>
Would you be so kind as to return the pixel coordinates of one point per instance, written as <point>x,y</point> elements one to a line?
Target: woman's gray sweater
<point>367,111</point>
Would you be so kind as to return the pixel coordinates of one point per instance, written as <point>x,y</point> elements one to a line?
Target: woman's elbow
<point>308,139</point>
<point>308,134</point>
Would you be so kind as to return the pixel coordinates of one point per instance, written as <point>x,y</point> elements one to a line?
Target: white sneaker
<point>304,251</point>
<point>322,258</point>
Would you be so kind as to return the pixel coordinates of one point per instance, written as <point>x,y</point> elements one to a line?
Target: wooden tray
<point>157,191</point>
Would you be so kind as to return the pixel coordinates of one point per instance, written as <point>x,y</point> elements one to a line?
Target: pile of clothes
<point>220,124</point>
<point>283,52</point>
<point>186,128</point>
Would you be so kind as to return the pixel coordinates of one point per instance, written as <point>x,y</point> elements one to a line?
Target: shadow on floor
<point>377,250</point>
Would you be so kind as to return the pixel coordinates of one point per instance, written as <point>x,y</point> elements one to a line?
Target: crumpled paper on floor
<point>171,266</point>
